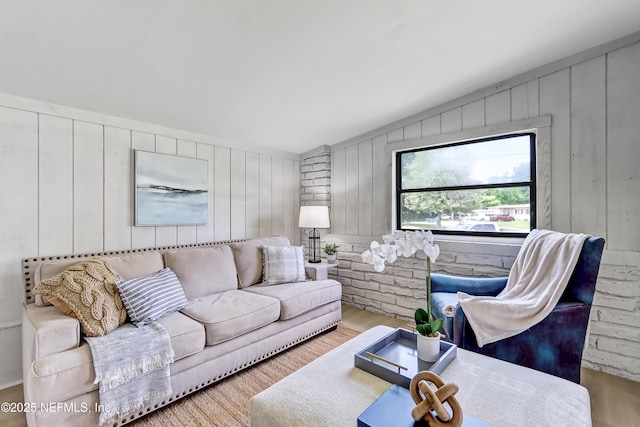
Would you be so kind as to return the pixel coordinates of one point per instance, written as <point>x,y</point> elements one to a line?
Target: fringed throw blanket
<point>132,368</point>
<point>536,282</point>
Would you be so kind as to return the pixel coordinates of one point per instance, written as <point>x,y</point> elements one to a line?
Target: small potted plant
<point>331,249</point>
<point>428,339</point>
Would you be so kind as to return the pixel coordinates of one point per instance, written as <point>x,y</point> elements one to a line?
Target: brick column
<point>315,184</point>
<point>315,177</point>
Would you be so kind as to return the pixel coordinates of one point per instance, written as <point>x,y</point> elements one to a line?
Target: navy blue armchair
<point>555,344</point>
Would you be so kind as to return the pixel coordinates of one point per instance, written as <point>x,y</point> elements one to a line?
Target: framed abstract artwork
<point>170,190</point>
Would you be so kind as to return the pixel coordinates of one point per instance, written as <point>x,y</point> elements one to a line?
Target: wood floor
<point>614,401</point>
<point>12,419</point>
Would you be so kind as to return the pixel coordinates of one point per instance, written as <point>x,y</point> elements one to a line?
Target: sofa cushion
<point>282,264</point>
<point>203,271</point>
<point>148,298</point>
<point>229,314</point>
<point>49,269</point>
<point>126,265</point>
<point>187,335</point>
<point>87,291</point>
<point>298,298</point>
<point>248,258</point>
<point>129,266</point>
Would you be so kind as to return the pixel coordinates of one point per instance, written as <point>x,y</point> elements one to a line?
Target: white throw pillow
<point>282,264</point>
<point>148,298</point>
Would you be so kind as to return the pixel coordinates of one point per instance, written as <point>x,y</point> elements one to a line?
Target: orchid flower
<point>405,247</point>
<point>372,254</point>
<point>431,250</point>
<point>406,244</point>
<point>400,243</point>
<point>388,252</point>
<point>390,238</point>
<point>376,255</point>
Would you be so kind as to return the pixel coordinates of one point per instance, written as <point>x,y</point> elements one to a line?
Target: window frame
<point>539,126</point>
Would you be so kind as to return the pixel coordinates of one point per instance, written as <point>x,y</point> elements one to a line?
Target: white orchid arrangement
<point>406,244</point>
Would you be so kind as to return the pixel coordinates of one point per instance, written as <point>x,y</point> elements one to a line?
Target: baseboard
<point>11,384</point>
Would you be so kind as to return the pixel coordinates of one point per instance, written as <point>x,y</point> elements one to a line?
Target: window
<point>480,187</point>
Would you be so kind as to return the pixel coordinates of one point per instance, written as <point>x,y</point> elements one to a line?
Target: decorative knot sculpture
<point>430,401</point>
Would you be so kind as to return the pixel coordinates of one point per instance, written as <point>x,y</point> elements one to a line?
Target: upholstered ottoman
<point>330,391</point>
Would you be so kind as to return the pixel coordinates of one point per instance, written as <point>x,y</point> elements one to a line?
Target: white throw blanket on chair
<point>536,282</point>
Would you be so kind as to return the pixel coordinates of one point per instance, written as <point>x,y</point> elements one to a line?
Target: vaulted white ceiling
<point>287,74</point>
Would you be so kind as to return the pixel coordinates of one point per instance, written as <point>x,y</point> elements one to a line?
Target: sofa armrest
<point>46,331</point>
<point>470,285</point>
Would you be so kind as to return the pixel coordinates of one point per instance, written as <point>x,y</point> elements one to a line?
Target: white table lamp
<point>314,217</point>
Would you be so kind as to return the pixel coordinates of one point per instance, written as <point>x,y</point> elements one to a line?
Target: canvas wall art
<point>170,190</point>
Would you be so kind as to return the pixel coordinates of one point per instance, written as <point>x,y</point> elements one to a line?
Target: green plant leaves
<point>331,248</point>
<point>421,317</point>
<point>424,325</point>
<point>436,325</point>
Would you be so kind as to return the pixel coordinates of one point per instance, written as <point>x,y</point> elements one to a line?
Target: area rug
<point>225,404</point>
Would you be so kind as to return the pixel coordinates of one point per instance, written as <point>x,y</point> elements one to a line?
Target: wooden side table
<point>318,270</point>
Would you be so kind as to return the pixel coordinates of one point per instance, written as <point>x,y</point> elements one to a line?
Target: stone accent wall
<point>315,178</point>
<point>401,287</point>
<point>315,185</point>
<point>614,340</point>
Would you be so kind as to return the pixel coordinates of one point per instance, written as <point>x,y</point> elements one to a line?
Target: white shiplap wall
<point>67,187</point>
<point>593,99</point>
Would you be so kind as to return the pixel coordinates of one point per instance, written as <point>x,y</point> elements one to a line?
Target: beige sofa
<point>230,323</point>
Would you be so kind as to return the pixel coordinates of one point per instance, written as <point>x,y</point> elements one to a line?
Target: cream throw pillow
<point>87,291</point>
<point>282,264</point>
<point>248,258</point>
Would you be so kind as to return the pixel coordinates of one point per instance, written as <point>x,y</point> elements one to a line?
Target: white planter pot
<point>331,259</point>
<point>428,348</point>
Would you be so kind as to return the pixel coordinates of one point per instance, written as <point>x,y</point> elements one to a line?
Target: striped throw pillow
<point>151,297</point>
<point>282,264</point>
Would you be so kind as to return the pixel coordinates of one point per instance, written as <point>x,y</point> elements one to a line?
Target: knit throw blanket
<point>132,368</point>
<point>536,282</point>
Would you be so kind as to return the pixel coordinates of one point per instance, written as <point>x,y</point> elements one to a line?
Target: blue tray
<point>399,347</point>
<point>393,409</point>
